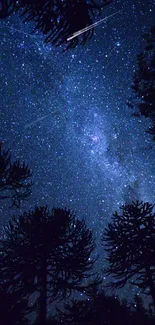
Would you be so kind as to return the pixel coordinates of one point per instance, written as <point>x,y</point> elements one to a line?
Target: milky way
<point>65,114</point>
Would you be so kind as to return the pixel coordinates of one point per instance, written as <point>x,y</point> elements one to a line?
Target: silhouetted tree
<point>48,253</point>
<point>57,19</point>
<point>77,312</point>
<point>144,82</point>
<point>129,241</point>
<point>111,310</point>
<point>14,178</point>
<point>101,310</point>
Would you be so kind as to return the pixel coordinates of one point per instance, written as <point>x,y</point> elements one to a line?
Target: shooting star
<point>11,29</point>
<point>35,122</point>
<point>81,31</point>
<point>28,125</point>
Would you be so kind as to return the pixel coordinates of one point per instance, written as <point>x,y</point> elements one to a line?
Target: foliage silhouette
<point>14,179</point>
<point>77,313</point>
<point>102,310</point>
<point>46,252</point>
<point>129,241</point>
<point>143,82</point>
<point>56,19</point>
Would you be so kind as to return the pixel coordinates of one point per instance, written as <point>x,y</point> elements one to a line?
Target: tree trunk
<point>43,293</point>
<point>151,284</point>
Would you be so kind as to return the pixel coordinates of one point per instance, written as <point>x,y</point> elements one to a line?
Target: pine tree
<point>143,84</point>
<point>129,241</point>
<point>48,253</point>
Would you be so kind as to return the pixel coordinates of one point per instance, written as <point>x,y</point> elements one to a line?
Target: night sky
<point>65,114</point>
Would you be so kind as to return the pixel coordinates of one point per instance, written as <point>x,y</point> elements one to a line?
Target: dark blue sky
<point>65,114</point>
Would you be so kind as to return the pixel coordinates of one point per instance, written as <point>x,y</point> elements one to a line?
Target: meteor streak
<point>36,121</point>
<point>81,31</point>
<point>40,119</point>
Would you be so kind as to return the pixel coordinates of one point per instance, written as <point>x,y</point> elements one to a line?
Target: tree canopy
<point>129,241</point>
<point>48,253</point>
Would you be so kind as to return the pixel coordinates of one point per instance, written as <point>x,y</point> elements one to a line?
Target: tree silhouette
<point>111,310</point>
<point>48,253</point>
<point>56,19</point>
<point>143,82</point>
<point>14,178</point>
<point>129,241</point>
<point>101,310</point>
<point>77,312</point>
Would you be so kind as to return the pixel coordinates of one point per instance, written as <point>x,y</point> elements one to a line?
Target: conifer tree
<point>129,241</point>
<point>143,85</point>
<point>48,253</point>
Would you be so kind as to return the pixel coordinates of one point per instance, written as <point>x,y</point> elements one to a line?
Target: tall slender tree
<point>15,184</point>
<point>57,19</point>
<point>129,241</point>
<point>48,253</point>
<point>143,85</point>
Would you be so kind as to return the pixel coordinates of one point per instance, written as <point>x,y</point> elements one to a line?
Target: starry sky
<point>65,114</point>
